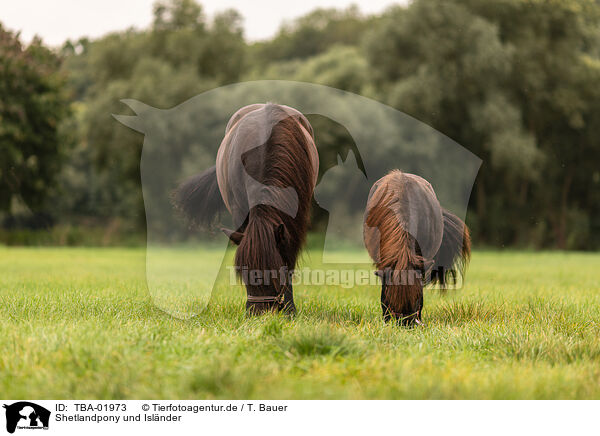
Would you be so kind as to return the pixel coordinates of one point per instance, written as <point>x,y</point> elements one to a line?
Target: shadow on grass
<point>222,378</point>
<point>319,342</point>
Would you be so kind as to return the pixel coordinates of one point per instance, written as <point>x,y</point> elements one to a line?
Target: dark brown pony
<point>412,241</point>
<point>265,173</point>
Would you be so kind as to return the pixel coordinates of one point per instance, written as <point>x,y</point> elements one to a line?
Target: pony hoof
<point>289,311</point>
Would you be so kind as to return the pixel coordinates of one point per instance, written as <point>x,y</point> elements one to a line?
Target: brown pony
<point>265,173</point>
<point>412,241</point>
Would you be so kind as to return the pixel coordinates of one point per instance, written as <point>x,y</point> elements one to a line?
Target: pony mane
<point>283,161</point>
<point>395,251</point>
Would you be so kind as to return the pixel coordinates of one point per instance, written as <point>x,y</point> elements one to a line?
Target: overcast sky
<point>58,20</point>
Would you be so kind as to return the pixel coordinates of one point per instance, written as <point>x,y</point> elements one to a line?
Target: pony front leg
<point>288,307</point>
<point>384,307</point>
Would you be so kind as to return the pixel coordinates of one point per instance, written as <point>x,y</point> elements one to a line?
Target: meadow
<point>79,323</point>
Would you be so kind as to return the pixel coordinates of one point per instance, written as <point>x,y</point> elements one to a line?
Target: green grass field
<point>79,323</point>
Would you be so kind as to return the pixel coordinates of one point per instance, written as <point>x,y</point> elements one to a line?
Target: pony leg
<point>289,308</point>
<point>384,307</point>
<point>386,313</point>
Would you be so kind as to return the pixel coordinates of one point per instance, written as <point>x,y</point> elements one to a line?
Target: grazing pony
<point>265,173</point>
<point>412,240</point>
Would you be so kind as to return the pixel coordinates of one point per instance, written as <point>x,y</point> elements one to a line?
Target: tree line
<point>516,82</point>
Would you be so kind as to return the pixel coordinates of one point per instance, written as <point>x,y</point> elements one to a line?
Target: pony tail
<point>454,252</point>
<point>199,198</point>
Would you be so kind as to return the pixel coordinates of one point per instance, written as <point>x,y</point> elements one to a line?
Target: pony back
<point>402,213</point>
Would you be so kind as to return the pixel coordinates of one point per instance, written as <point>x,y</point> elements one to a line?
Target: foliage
<point>313,34</point>
<point>514,81</point>
<point>181,56</point>
<point>32,106</point>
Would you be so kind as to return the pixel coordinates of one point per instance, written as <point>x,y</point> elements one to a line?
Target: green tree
<point>182,55</point>
<point>177,14</point>
<point>32,105</point>
<point>313,34</point>
<point>514,81</point>
<point>555,80</point>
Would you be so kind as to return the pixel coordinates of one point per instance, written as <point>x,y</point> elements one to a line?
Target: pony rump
<point>199,199</point>
<point>454,253</point>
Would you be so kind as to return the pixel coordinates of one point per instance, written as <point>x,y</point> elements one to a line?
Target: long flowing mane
<point>283,162</point>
